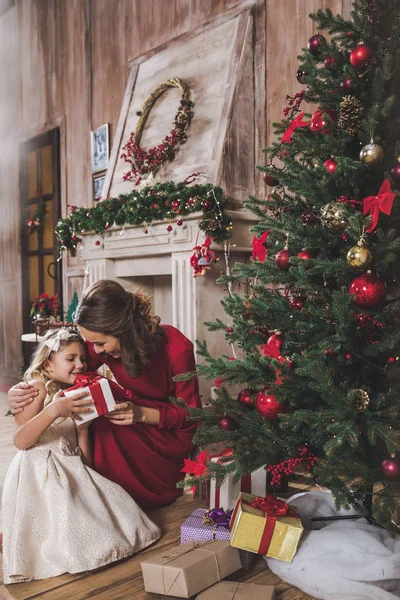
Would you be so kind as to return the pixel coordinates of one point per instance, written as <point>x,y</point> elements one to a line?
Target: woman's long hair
<point>43,353</point>
<point>109,309</point>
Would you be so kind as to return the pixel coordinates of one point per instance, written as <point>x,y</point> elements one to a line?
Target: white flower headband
<point>62,334</point>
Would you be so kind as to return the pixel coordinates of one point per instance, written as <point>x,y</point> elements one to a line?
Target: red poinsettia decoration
<point>259,248</point>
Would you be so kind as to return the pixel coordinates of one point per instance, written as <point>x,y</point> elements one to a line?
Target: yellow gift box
<point>266,526</point>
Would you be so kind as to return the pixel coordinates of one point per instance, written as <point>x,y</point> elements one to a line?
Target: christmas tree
<point>70,317</point>
<point>317,335</point>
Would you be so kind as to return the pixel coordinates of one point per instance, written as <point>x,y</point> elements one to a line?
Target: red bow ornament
<point>273,349</point>
<point>382,202</point>
<point>271,506</point>
<point>295,124</point>
<point>196,467</point>
<point>259,249</point>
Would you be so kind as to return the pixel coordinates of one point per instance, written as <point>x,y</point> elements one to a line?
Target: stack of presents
<point>242,520</point>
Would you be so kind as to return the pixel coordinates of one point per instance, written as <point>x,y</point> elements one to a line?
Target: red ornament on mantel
<point>227,424</point>
<point>169,228</point>
<point>282,259</point>
<point>246,396</point>
<point>175,205</point>
<point>97,242</point>
<point>368,290</point>
<point>360,56</point>
<point>319,122</point>
<point>330,165</point>
<point>267,405</point>
<point>391,469</point>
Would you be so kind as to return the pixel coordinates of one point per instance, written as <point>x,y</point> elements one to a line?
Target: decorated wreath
<point>36,221</point>
<point>146,162</point>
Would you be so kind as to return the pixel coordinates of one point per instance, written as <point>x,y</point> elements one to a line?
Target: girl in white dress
<point>59,515</point>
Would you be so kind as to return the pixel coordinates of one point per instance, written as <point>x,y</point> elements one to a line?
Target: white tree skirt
<point>343,560</point>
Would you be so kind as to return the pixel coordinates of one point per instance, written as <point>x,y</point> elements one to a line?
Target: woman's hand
<point>125,413</point>
<point>21,395</point>
<point>70,406</point>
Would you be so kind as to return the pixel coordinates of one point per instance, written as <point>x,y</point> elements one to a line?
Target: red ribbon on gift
<point>382,202</point>
<point>297,122</point>
<point>259,250</point>
<point>273,508</point>
<point>91,380</point>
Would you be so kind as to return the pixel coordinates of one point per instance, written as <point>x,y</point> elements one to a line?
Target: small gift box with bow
<point>267,526</point>
<point>226,494</point>
<point>186,570</point>
<point>211,525</point>
<point>104,393</point>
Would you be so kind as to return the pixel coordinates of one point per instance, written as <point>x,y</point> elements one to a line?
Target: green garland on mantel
<point>162,201</point>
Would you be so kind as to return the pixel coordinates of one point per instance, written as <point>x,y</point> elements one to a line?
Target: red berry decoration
<point>267,404</point>
<point>368,290</point>
<point>179,222</point>
<point>330,62</point>
<point>175,205</point>
<point>206,205</point>
<point>227,424</point>
<point>246,396</point>
<point>296,304</point>
<point>360,56</point>
<point>330,165</point>
<point>300,76</point>
<point>169,228</point>
<point>315,43</point>
<point>391,469</point>
<point>319,122</point>
<point>282,259</point>
<point>270,180</point>
<point>329,352</point>
<point>395,174</point>
<point>308,217</point>
<point>347,86</point>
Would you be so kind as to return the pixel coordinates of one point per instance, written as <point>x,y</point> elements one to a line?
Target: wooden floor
<point>122,580</point>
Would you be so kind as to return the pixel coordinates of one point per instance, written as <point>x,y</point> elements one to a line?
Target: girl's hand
<point>70,406</point>
<point>125,413</point>
<point>20,395</point>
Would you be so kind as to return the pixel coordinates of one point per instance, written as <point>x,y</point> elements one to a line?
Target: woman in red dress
<point>142,444</point>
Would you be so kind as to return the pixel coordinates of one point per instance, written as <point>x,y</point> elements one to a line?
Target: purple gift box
<point>194,528</point>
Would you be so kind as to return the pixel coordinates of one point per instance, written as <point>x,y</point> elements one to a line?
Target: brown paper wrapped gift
<point>231,590</point>
<point>189,568</point>
<point>266,526</point>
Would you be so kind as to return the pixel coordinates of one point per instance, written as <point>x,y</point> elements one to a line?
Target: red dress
<point>146,460</point>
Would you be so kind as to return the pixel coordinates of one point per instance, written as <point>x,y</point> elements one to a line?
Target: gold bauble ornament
<point>359,257</point>
<point>332,217</point>
<point>371,154</point>
<point>361,400</point>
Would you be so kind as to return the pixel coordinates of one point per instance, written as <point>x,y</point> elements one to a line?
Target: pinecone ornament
<point>351,112</point>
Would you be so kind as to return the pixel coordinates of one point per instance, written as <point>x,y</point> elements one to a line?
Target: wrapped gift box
<point>104,393</point>
<point>199,527</point>
<point>267,526</point>
<point>226,494</point>
<point>231,590</point>
<point>190,568</point>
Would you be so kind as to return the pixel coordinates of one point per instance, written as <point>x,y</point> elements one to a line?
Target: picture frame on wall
<point>98,185</point>
<point>100,148</point>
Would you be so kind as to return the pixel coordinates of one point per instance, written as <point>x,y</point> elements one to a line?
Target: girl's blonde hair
<point>53,341</point>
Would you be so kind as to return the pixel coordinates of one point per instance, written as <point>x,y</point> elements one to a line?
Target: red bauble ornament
<point>300,75</point>
<point>330,62</point>
<point>267,404</point>
<point>97,243</point>
<point>319,122</point>
<point>276,339</point>
<point>368,290</point>
<point>246,396</point>
<point>347,86</point>
<point>308,217</point>
<point>329,352</point>
<point>315,43</point>
<point>206,205</point>
<point>270,180</point>
<point>391,469</point>
<point>169,228</point>
<point>395,174</point>
<point>227,424</point>
<point>175,205</point>
<point>146,231</point>
<point>305,255</point>
<point>179,222</point>
<point>360,56</point>
<point>296,304</point>
<point>330,165</point>
<point>74,238</point>
<point>282,259</point>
